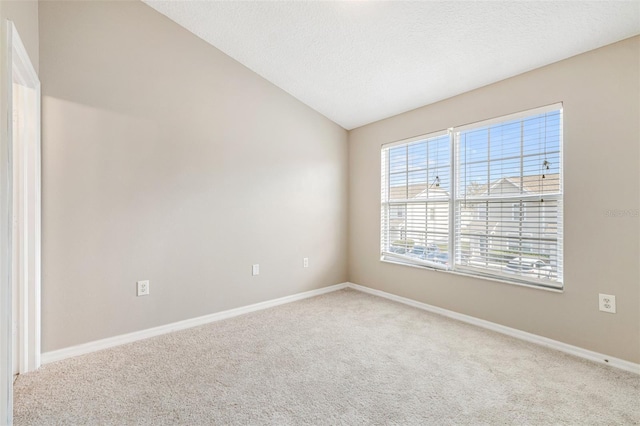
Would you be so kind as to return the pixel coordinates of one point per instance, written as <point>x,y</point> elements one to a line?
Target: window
<point>397,211</point>
<point>417,176</point>
<point>517,211</point>
<point>482,199</point>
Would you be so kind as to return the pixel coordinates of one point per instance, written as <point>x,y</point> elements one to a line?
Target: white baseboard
<point>519,334</point>
<point>110,342</point>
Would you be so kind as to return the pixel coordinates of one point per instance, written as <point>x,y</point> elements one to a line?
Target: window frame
<point>392,202</point>
<point>455,265</point>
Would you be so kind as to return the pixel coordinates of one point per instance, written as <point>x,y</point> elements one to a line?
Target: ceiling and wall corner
<point>359,62</point>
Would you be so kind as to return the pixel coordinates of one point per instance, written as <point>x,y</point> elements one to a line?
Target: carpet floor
<point>341,358</point>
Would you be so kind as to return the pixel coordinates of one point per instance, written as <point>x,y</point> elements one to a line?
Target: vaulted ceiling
<point>360,61</point>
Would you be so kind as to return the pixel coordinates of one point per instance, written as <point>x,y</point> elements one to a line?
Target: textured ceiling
<point>360,61</point>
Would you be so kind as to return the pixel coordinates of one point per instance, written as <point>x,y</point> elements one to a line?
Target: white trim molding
<point>19,214</point>
<point>6,242</point>
<point>110,342</point>
<point>26,205</point>
<point>518,334</point>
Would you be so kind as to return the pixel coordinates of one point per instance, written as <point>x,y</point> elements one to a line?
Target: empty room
<point>310,212</point>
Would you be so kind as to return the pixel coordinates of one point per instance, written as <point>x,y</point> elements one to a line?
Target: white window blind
<point>482,199</point>
<point>416,195</point>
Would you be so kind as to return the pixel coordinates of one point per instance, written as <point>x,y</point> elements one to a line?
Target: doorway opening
<point>20,207</point>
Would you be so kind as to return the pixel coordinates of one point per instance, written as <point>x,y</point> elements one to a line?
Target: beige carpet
<point>342,358</point>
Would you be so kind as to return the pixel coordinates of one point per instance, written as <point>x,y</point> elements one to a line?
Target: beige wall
<point>601,94</point>
<point>164,159</point>
<point>24,15</point>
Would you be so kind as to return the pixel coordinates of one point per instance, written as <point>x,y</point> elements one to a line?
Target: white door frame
<point>21,248</point>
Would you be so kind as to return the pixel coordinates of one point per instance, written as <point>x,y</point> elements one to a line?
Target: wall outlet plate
<point>305,262</point>
<point>607,303</point>
<point>255,269</point>
<point>143,288</point>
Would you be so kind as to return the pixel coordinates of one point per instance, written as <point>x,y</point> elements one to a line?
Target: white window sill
<point>480,277</point>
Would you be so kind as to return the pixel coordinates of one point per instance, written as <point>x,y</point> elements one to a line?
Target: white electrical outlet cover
<point>607,303</point>
<point>255,269</point>
<point>142,288</point>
